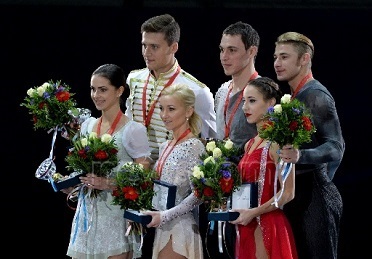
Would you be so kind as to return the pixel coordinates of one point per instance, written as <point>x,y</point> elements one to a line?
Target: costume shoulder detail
<point>193,79</point>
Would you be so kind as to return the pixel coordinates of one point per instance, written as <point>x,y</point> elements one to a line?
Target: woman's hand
<point>245,216</point>
<point>67,190</point>
<point>156,218</point>
<point>289,154</point>
<point>100,183</point>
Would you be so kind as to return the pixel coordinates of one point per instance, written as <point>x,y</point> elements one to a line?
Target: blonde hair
<point>187,96</point>
<point>302,43</point>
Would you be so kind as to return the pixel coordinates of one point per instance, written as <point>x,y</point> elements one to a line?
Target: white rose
<point>278,108</point>
<point>84,142</point>
<point>106,138</point>
<point>93,134</point>
<point>40,90</point>
<point>197,173</point>
<point>211,159</point>
<point>30,92</point>
<point>229,144</point>
<point>217,152</point>
<point>210,146</point>
<point>285,98</point>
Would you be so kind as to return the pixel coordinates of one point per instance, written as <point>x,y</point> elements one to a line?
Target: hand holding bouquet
<point>92,154</point>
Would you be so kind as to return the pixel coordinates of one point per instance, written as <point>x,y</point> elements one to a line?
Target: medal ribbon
<point>301,84</point>
<point>166,153</point>
<point>227,101</point>
<point>147,117</point>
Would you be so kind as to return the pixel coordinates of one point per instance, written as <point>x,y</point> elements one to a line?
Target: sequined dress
<point>179,222</point>
<point>276,230</point>
<point>98,227</point>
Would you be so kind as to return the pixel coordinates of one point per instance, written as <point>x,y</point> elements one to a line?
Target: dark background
<point>52,40</point>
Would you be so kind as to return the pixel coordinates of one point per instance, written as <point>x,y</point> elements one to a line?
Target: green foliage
<point>49,104</point>
<point>134,187</point>
<point>217,176</point>
<point>287,123</point>
<point>91,154</point>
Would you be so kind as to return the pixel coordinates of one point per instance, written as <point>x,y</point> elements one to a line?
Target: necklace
<point>301,84</point>
<point>113,126</point>
<point>147,117</point>
<point>235,108</point>
<point>166,152</point>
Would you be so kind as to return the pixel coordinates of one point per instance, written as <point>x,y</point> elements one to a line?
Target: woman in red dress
<point>264,231</point>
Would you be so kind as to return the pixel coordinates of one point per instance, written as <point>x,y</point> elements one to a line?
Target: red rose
<point>116,193</point>
<point>42,105</point>
<point>113,151</point>
<point>267,124</point>
<point>63,96</point>
<point>101,155</point>
<point>146,185</point>
<point>293,125</point>
<point>307,123</point>
<point>226,184</point>
<point>82,153</point>
<point>208,191</point>
<point>130,193</point>
<point>196,193</point>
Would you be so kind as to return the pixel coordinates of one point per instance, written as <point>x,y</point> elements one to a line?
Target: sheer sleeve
<point>135,140</point>
<point>188,155</point>
<point>187,205</point>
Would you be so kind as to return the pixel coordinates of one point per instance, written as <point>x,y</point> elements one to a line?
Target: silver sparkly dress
<point>179,222</point>
<point>98,227</point>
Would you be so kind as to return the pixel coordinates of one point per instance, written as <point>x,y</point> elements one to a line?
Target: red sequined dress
<point>277,233</point>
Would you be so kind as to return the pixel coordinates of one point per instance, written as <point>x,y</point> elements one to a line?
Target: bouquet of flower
<point>288,123</point>
<point>49,104</point>
<point>134,193</point>
<point>91,154</point>
<point>134,187</point>
<point>217,177</point>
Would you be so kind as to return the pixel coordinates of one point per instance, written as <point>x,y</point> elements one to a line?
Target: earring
<point>187,118</point>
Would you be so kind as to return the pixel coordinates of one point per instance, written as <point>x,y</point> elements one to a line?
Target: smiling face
<point>103,93</point>
<point>287,62</point>
<point>174,113</point>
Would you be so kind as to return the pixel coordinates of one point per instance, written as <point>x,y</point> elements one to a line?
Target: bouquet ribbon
<point>285,169</point>
<point>138,227</point>
<point>47,168</point>
<point>220,236</point>
<point>83,209</point>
